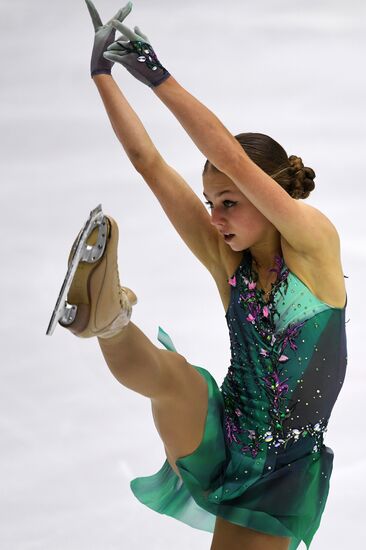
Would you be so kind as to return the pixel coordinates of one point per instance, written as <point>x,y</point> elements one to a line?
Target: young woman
<point>246,461</point>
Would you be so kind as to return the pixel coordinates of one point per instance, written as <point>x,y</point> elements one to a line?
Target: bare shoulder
<point>321,268</point>
<point>319,220</point>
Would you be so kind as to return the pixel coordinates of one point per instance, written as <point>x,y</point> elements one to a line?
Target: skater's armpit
<point>185,211</point>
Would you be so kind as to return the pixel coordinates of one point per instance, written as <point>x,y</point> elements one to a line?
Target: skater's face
<point>232,213</point>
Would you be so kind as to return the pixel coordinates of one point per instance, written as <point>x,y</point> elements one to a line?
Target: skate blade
<point>64,312</point>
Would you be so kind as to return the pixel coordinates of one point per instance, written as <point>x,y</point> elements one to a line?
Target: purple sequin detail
<point>261,315</point>
<point>292,332</point>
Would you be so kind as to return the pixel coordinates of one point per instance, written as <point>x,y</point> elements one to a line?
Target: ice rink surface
<point>71,438</point>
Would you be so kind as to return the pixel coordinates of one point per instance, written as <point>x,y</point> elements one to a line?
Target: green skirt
<point>282,494</point>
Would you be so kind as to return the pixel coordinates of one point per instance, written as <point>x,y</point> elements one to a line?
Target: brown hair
<point>289,172</point>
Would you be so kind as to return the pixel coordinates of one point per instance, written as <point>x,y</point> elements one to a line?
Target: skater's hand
<point>104,36</point>
<point>133,50</point>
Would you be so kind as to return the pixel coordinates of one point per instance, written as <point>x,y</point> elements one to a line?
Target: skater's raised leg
<point>177,391</point>
<point>140,365</point>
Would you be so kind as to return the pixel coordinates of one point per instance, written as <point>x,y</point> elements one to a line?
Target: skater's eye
<point>232,203</point>
<point>227,203</point>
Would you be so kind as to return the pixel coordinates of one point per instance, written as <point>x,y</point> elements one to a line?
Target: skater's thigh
<point>229,535</point>
<point>180,414</point>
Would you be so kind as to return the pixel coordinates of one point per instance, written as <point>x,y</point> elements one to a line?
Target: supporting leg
<point>236,537</point>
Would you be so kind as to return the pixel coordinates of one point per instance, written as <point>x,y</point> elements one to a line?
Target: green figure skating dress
<point>262,462</point>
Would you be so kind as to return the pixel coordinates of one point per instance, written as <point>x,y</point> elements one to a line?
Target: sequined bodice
<point>288,362</point>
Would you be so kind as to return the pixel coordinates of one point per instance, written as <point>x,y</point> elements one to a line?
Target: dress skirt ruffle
<point>283,494</point>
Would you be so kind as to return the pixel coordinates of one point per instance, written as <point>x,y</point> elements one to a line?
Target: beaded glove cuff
<point>140,60</point>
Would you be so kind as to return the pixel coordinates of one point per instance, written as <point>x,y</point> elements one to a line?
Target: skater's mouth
<point>228,237</point>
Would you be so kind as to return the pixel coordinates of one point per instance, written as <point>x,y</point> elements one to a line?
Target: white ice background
<point>71,437</point>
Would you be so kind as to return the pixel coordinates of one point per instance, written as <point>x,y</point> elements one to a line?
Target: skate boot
<point>96,304</point>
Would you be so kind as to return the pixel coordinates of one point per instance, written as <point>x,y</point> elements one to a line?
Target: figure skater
<point>245,461</point>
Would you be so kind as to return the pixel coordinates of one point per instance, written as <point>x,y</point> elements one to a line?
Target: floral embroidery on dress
<point>262,316</point>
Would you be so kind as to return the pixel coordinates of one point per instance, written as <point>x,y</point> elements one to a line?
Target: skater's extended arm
<point>184,209</point>
<point>125,123</point>
<point>182,206</point>
<point>304,227</point>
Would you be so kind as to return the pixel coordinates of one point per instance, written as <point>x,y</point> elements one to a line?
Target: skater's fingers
<point>114,56</point>
<point>117,16</point>
<point>118,46</point>
<point>122,38</point>
<point>125,11</point>
<point>138,31</point>
<point>122,13</point>
<point>124,30</point>
<point>97,22</point>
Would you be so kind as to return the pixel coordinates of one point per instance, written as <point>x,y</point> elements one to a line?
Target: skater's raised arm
<point>126,124</point>
<point>182,206</point>
<point>305,228</point>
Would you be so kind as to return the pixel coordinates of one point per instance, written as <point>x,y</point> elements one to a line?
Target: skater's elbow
<point>136,157</point>
<point>143,161</point>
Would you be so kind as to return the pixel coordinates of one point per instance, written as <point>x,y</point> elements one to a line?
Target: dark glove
<point>134,51</point>
<point>104,36</point>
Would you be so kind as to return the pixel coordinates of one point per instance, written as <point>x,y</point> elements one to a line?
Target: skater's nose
<point>218,218</point>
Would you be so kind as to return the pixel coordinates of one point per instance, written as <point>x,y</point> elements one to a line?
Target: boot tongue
<point>130,295</point>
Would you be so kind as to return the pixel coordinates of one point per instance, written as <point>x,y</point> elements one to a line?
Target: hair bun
<point>302,178</point>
